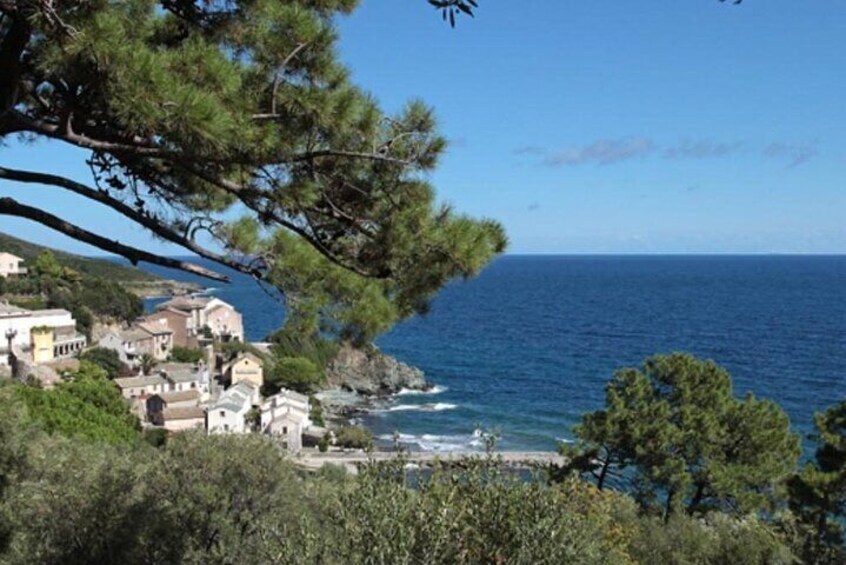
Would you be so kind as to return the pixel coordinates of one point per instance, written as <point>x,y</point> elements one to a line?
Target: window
<point>285,430</point>
<point>222,414</point>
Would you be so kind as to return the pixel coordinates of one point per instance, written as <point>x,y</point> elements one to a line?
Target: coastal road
<point>350,460</point>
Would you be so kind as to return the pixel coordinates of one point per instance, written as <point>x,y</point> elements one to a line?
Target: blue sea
<point>528,346</point>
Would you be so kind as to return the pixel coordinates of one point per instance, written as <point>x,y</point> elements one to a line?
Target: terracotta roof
<point>154,329</point>
<point>180,396</point>
<point>135,333</point>
<point>171,310</point>
<point>133,382</point>
<point>185,303</point>
<point>188,413</point>
<point>241,356</point>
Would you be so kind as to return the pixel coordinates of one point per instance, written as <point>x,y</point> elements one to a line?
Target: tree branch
<point>11,207</point>
<point>148,222</point>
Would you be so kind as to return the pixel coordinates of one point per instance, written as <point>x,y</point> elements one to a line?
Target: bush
<point>186,355</point>
<point>157,437</point>
<point>295,373</point>
<point>106,359</point>
<point>323,444</point>
<point>354,437</point>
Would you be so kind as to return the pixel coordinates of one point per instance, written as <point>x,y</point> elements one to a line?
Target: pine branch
<point>11,207</point>
<point>156,226</point>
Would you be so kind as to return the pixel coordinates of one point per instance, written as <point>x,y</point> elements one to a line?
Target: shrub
<point>106,359</point>
<point>354,437</point>
<point>295,373</point>
<point>186,354</point>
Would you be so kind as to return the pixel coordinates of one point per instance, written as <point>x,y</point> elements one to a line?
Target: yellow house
<point>245,367</point>
<point>42,344</point>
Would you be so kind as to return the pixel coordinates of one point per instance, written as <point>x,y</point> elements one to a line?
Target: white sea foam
<point>564,440</point>
<point>442,443</point>
<point>437,389</point>
<point>435,407</point>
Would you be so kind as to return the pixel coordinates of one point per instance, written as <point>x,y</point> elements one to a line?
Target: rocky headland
<point>357,379</point>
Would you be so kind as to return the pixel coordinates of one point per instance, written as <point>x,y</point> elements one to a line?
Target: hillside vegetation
<point>101,268</point>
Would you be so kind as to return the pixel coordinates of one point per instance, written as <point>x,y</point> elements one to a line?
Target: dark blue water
<point>528,346</point>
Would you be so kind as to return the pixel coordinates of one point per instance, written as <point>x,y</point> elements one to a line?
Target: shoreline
<point>350,460</point>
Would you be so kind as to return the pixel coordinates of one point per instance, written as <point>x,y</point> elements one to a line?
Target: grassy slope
<point>93,267</point>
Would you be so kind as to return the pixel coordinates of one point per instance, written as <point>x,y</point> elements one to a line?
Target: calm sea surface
<point>528,346</point>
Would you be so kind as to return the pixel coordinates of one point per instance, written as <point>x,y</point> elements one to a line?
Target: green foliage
<point>86,266</point>
<point>295,373</point>
<point>88,407</point>
<point>106,359</point>
<point>181,354</point>
<point>157,437</point>
<point>147,363</point>
<point>50,284</point>
<point>677,433</point>
<point>194,112</point>
<point>818,493</point>
<point>316,415</point>
<point>354,437</point>
<point>300,340</point>
<point>46,266</point>
<point>323,443</point>
<point>226,499</point>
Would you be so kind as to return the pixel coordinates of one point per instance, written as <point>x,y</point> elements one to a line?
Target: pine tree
<point>674,434</point>
<point>818,492</point>
<point>189,112</point>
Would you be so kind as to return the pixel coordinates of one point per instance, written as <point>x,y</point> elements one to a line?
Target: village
<point>218,391</point>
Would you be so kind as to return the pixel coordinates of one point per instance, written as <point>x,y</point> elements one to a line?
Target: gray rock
<point>373,373</point>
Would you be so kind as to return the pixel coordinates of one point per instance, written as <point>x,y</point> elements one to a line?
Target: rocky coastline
<point>357,380</point>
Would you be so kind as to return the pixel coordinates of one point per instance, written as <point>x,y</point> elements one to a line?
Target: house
<point>229,414</point>
<point>186,376</point>
<point>45,334</point>
<point>180,322</point>
<point>137,340</point>
<point>140,387</point>
<point>162,343</point>
<point>244,367</point>
<point>286,415</point>
<point>181,419</point>
<point>10,265</point>
<point>158,403</point>
<point>205,314</point>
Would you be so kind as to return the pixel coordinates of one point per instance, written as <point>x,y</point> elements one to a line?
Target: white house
<point>186,376</point>
<point>10,265</point>
<point>181,419</point>
<point>229,414</point>
<point>287,415</point>
<point>140,387</point>
<point>19,323</point>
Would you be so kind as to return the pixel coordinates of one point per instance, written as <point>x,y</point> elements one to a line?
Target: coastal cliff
<point>372,373</point>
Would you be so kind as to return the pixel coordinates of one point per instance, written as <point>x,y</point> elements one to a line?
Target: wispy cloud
<point>792,154</point>
<point>530,150</point>
<point>602,152</point>
<point>701,149</point>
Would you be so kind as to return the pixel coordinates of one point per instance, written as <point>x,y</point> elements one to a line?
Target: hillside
<point>137,280</point>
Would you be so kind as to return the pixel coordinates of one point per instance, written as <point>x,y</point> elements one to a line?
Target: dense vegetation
<point>49,284</point>
<point>80,484</point>
<point>85,266</point>
<point>190,113</point>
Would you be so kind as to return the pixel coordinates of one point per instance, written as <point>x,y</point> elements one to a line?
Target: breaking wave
<point>437,389</point>
<point>444,443</point>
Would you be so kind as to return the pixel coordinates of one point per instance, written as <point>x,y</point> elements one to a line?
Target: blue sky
<point>605,126</point>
